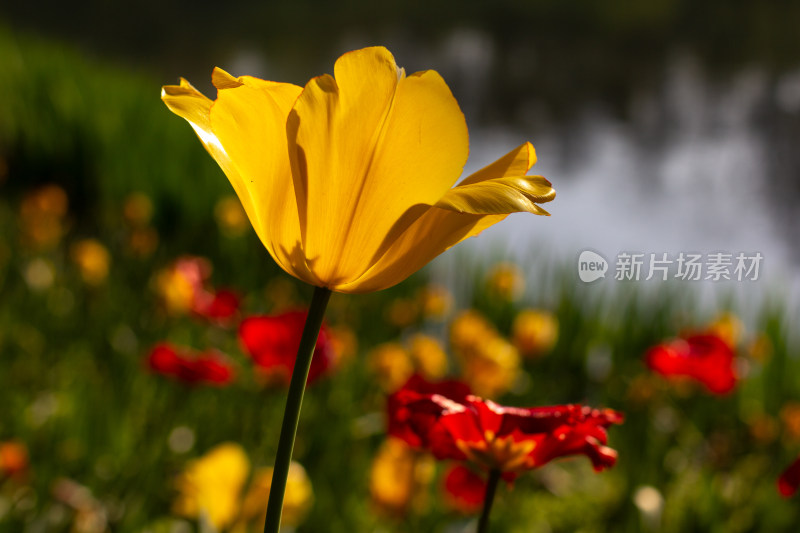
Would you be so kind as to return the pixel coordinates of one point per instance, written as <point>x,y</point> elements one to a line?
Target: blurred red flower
<point>451,425</point>
<point>183,287</point>
<point>273,341</point>
<point>705,357</point>
<point>464,489</point>
<point>208,367</point>
<point>218,306</point>
<point>789,480</point>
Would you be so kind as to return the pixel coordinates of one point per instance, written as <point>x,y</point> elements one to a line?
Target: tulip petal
<point>367,146</point>
<point>500,196</point>
<point>457,216</point>
<point>188,103</point>
<point>502,187</point>
<point>249,119</point>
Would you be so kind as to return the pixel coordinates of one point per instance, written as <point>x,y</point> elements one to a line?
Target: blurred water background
<point>665,127</point>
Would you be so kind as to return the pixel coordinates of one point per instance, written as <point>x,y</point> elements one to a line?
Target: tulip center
<point>502,453</point>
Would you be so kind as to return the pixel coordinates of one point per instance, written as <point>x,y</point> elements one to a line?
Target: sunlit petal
<point>367,146</point>
<point>439,228</point>
<point>249,119</point>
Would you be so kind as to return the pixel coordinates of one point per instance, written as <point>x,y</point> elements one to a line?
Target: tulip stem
<point>488,499</point>
<point>291,413</point>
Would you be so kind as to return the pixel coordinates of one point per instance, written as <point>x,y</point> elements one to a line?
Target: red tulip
<point>218,306</point>
<point>204,368</point>
<point>464,489</point>
<point>509,439</point>
<point>705,358</point>
<point>273,341</point>
<point>789,480</point>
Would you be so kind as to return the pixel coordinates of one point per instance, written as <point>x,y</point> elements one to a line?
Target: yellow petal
<point>264,191</point>
<point>517,162</point>
<point>367,146</point>
<point>501,195</point>
<point>430,235</point>
<point>249,120</point>
<point>502,187</point>
<point>188,103</point>
<point>441,227</point>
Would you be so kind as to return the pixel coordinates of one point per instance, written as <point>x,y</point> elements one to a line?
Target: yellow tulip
<point>211,485</point>
<point>428,356</point>
<point>392,365</point>
<point>398,477</point>
<point>298,501</point>
<point>348,182</point>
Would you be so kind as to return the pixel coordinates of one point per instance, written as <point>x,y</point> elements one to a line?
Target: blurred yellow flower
<point>182,285</point>
<point>230,216</point>
<point>92,259</point>
<point>142,242</point>
<point>428,356</point>
<point>176,291</point>
<point>490,364</point>
<point>348,182</point>
<point>42,214</point>
<point>435,301</point>
<point>398,476</point>
<point>297,502</point>
<point>727,327</point>
<point>506,281</point>
<point>344,342</point>
<point>491,368</point>
<point>210,487</point>
<point>137,210</point>
<point>760,348</point>
<point>468,329</point>
<point>534,332</point>
<point>402,312</point>
<point>391,364</point>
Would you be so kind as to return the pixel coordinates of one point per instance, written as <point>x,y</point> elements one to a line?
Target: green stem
<point>291,414</point>
<point>488,499</point>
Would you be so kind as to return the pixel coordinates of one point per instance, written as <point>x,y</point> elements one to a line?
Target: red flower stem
<point>291,413</point>
<point>488,499</point>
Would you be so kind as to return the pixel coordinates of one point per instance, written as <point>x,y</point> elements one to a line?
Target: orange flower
<point>92,259</point>
<point>13,459</point>
<point>43,214</point>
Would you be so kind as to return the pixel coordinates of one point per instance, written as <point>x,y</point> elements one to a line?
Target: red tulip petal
<point>465,489</point>
<point>789,480</point>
